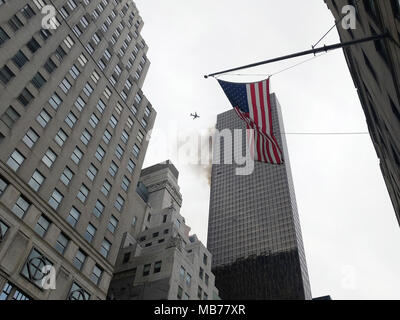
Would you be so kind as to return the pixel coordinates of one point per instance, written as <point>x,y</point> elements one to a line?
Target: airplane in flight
<point>195,116</point>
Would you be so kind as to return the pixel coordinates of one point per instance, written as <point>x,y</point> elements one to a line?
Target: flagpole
<point>303,53</point>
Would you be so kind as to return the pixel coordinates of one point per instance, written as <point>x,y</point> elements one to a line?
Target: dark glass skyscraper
<point>254,229</point>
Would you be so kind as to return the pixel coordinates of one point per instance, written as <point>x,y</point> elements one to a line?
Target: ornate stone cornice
<point>166,185</point>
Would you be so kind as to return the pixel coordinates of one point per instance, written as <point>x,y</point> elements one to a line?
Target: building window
<point>79,260</point>
<point>55,101</point>
<point>88,89</point>
<point>140,137</point>
<point>182,272</point>
<point>205,296</point>
<point>200,293</point>
<point>3,230</point>
<point>60,137</point>
<point>83,193</point>
<point>136,151</point>
<point>3,185</point>
<point>74,72</point>
<point>96,274</point>
<point>113,170</point>
<point>33,45</point>
<point>146,270</point>
<point>70,120</point>
<point>119,152</point>
<point>71,4</point>
<point>113,122</point>
<point>21,207</point>
<point>30,138</point>
<point>107,137</point>
<point>38,81</point>
<point>36,181</point>
<point>125,183</point>
<point>45,34</point>
<point>90,233</point>
<point>6,74</point>
<point>205,259</point>
<point>3,36</point>
<point>43,118</point>
<point>180,293</point>
<point>206,279</point>
<point>107,92</point>
<point>10,117</point>
<point>49,158</point>
<point>93,121</point>
<point>73,217</point>
<point>101,106</point>
<point>126,258</point>
<point>33,267</point>
<point>86,137</point>
<point>98,209</point>
<point>78,293</point>
<point>138,99</point>
<point>131,166</point>
<point>65,85</point>
<point>125,137</point>
<point>20,59</point>
<point>157,267</point>
<point>186,297</point>
<point>50,66</point>
<point>80,104</point>
<point>119,203</point>
<point>105,248</point>
<point>100,153</point>
<point>396,8</point>
<point>201,273</point>
<point>66,176</point>
<point>95,77</point>
<point>15,23</point>
<point>25,97</point>
<point>60,53</point>
<point>129,123</point>
<point>55,199</point>
<point>106,188</point>
<point>92,172</point>
<point>147,111</point>
<point>188,279</point>
<point>62,243</point>
<point>28,12</point>
<point>112,224</point>
<point>82,60</point>
<point>42,226</point>
<point>77,155</point>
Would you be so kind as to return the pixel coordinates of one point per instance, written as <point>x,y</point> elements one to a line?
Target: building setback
<point>254,230</point>
<point>160,260</point>
<point>375,68</point>
<point>73,122</point>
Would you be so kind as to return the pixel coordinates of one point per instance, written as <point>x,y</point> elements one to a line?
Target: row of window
<point>10,117</point>
<point>22,206</point>
<point>156,268</point>
<point>11,292</point>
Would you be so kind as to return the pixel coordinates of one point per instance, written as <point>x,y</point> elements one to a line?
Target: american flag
<point>252,104</point>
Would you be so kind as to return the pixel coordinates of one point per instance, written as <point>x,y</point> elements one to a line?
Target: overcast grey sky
<point>351,236</point>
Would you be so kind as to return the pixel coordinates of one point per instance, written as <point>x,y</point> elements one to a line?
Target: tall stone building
<point>73,122</point>
<point>254,230</point>
<point>160,260</point>
<point>375,68</point>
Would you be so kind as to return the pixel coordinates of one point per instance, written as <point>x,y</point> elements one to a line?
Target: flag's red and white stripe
<point>259,119</point>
